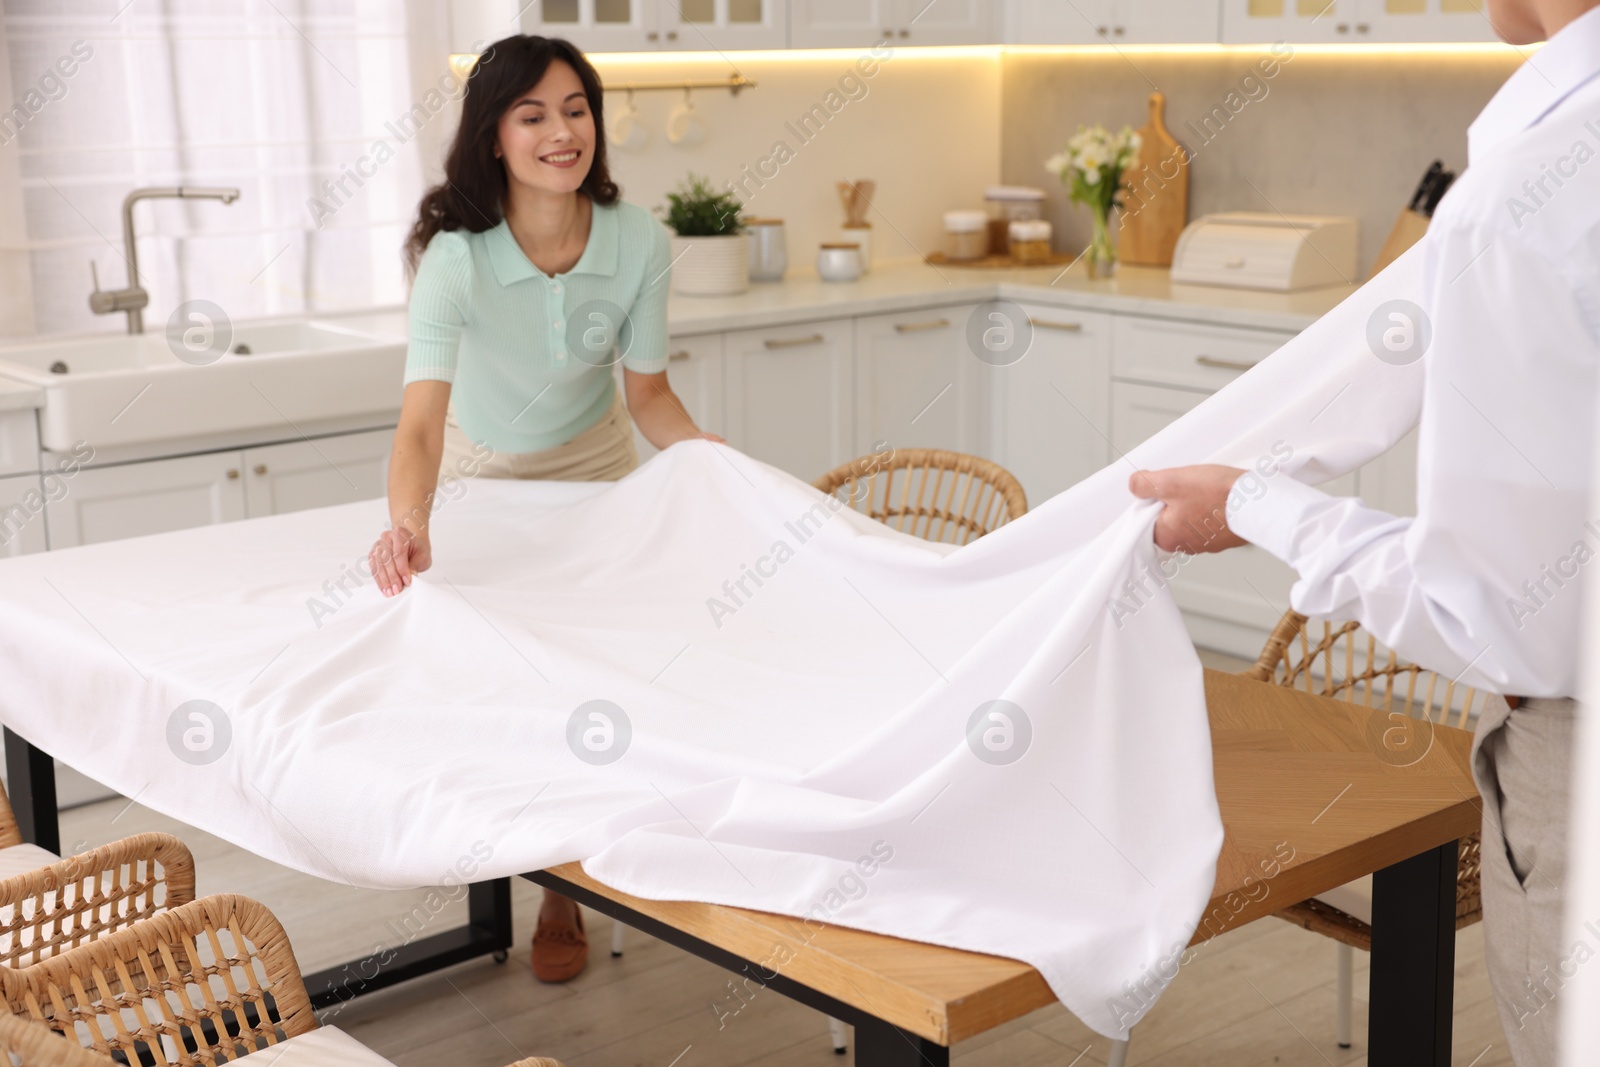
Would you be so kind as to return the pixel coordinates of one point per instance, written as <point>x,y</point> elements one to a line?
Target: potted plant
<point>710,252</point>
<point>1091,167</point>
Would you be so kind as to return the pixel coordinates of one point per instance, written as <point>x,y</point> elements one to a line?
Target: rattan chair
<point>1355,667</point>
<point>24,1043</point>
<point>203,984</point>
<point>940,496</point>
<point>50,907</point>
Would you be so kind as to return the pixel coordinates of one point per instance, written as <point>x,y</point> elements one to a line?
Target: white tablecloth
<point>806,752</point>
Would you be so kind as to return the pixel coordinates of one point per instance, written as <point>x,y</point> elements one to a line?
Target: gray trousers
<point>1522,761</point>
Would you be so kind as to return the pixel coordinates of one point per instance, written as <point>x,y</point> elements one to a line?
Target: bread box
<point>1258,250</point>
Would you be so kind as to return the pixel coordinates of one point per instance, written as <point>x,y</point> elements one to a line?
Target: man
<point>1484,583</point>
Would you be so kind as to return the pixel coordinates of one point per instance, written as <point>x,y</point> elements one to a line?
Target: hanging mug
<point>625,129</point>
<point>685,127</point>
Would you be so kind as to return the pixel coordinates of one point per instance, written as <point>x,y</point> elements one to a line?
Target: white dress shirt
<point>1484,583</point>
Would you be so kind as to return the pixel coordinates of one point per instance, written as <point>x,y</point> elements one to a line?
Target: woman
<point>532,279</point>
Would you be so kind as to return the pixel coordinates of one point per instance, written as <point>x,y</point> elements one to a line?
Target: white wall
<point>925,128</point>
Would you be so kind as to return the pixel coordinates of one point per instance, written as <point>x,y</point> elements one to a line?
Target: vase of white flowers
<point>1091,167</point>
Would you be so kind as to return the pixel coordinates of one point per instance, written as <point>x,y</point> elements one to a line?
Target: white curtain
<point>290,101</point>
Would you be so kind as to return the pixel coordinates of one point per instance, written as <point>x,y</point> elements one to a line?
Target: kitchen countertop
<point>910,285</point>
<point>907,285</point>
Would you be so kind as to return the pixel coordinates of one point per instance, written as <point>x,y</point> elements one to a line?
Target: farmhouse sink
<point>130,389</point>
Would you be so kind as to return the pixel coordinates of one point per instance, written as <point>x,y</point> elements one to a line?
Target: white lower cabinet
<point>917,382</point>
<point>22,505</point>
<point>694,372</point>
<point>788,395</point>
<point>157,496</point>
<point>316,473</point>
<point>1052,407</point>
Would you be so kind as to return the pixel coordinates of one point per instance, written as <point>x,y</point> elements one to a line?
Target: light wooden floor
<point>1261,995</point>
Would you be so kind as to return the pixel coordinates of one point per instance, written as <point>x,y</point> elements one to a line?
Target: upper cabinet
<point>721,25</point>
<point>1354,21</point>
<point>659,25</point>
<point>1050,22</point>
<point>862,23</point>
<point>730,25</point>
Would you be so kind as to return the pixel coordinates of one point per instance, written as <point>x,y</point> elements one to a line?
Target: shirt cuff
<point>1273,519</point>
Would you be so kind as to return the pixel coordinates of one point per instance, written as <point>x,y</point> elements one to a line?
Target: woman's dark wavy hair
<point>472,196</point>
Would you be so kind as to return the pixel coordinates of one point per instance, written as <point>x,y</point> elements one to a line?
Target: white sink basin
<point>125,389</point>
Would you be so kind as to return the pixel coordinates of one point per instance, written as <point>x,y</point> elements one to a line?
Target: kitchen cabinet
<point>694,371</point>
<point>316,473</point>
<point>1230,600</point>
<point>596,25</point>
<point>160,495</point>
<point>1051,407</point>
<point>862,23</point>
<point>788,395</point>
<point>134,499</point>
<point>1188,355</point>
<point>1424,20</point>
<point>722,25</point>
<point>652,25</point>
<point>22,519</point>
<point>19,442</point>
<point>1051,22</point>
<point>917,383</point>
<point>1354,21</point>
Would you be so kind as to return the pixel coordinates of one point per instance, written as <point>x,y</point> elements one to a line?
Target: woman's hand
<point>397,556</point>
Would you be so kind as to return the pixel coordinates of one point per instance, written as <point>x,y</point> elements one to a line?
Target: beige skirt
<point>602,453</point>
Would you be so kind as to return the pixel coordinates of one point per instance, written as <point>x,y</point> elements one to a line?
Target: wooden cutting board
<point>1155,195</point>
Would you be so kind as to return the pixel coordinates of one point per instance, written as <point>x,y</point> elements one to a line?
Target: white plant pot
<point>711,266</point>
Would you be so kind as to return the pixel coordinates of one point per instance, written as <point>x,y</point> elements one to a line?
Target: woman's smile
<point>566,158</point>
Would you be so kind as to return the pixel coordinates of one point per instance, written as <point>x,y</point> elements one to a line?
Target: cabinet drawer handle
<point>261,468</point>
<point>233,473</point>
<point>795,342</point>
<point>1047,324</point>
<point>1223,364</point>
<point>677,357</point>
<point>918,327</point>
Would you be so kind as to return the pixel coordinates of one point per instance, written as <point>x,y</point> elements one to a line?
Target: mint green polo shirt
<point>530,355</point>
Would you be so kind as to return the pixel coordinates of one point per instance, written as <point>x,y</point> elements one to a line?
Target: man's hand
<point>1195,518</point>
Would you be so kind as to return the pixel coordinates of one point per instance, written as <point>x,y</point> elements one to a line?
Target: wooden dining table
<point>1314,793</point>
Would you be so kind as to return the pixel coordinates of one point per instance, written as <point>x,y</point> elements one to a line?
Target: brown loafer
<point>560,952</point>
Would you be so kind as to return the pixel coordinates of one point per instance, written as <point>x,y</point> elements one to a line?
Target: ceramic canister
<point>769,256</point>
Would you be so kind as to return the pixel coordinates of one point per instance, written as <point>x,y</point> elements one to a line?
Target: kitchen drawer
<point>19,442</point>
<point>1189,355</point>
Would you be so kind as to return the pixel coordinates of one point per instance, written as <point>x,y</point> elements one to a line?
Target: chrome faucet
<point>134,298</point>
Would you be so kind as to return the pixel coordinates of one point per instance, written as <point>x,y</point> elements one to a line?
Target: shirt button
<point>555,287</point>
<point>557,325</point>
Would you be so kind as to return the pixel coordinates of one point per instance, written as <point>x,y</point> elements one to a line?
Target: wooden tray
<point>1057,259</point>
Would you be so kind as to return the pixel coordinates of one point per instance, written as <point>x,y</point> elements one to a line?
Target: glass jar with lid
<point>1007,204</point>
<point>1030,240</point>
<point>966,235</point>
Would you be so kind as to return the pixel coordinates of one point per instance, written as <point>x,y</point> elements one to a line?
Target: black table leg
<point>32,775</point>
<point>878,1043</point>
<point>489,913</point>
<point>881,1044</point>
<point>488,930</point>
<point>1413,961</point>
